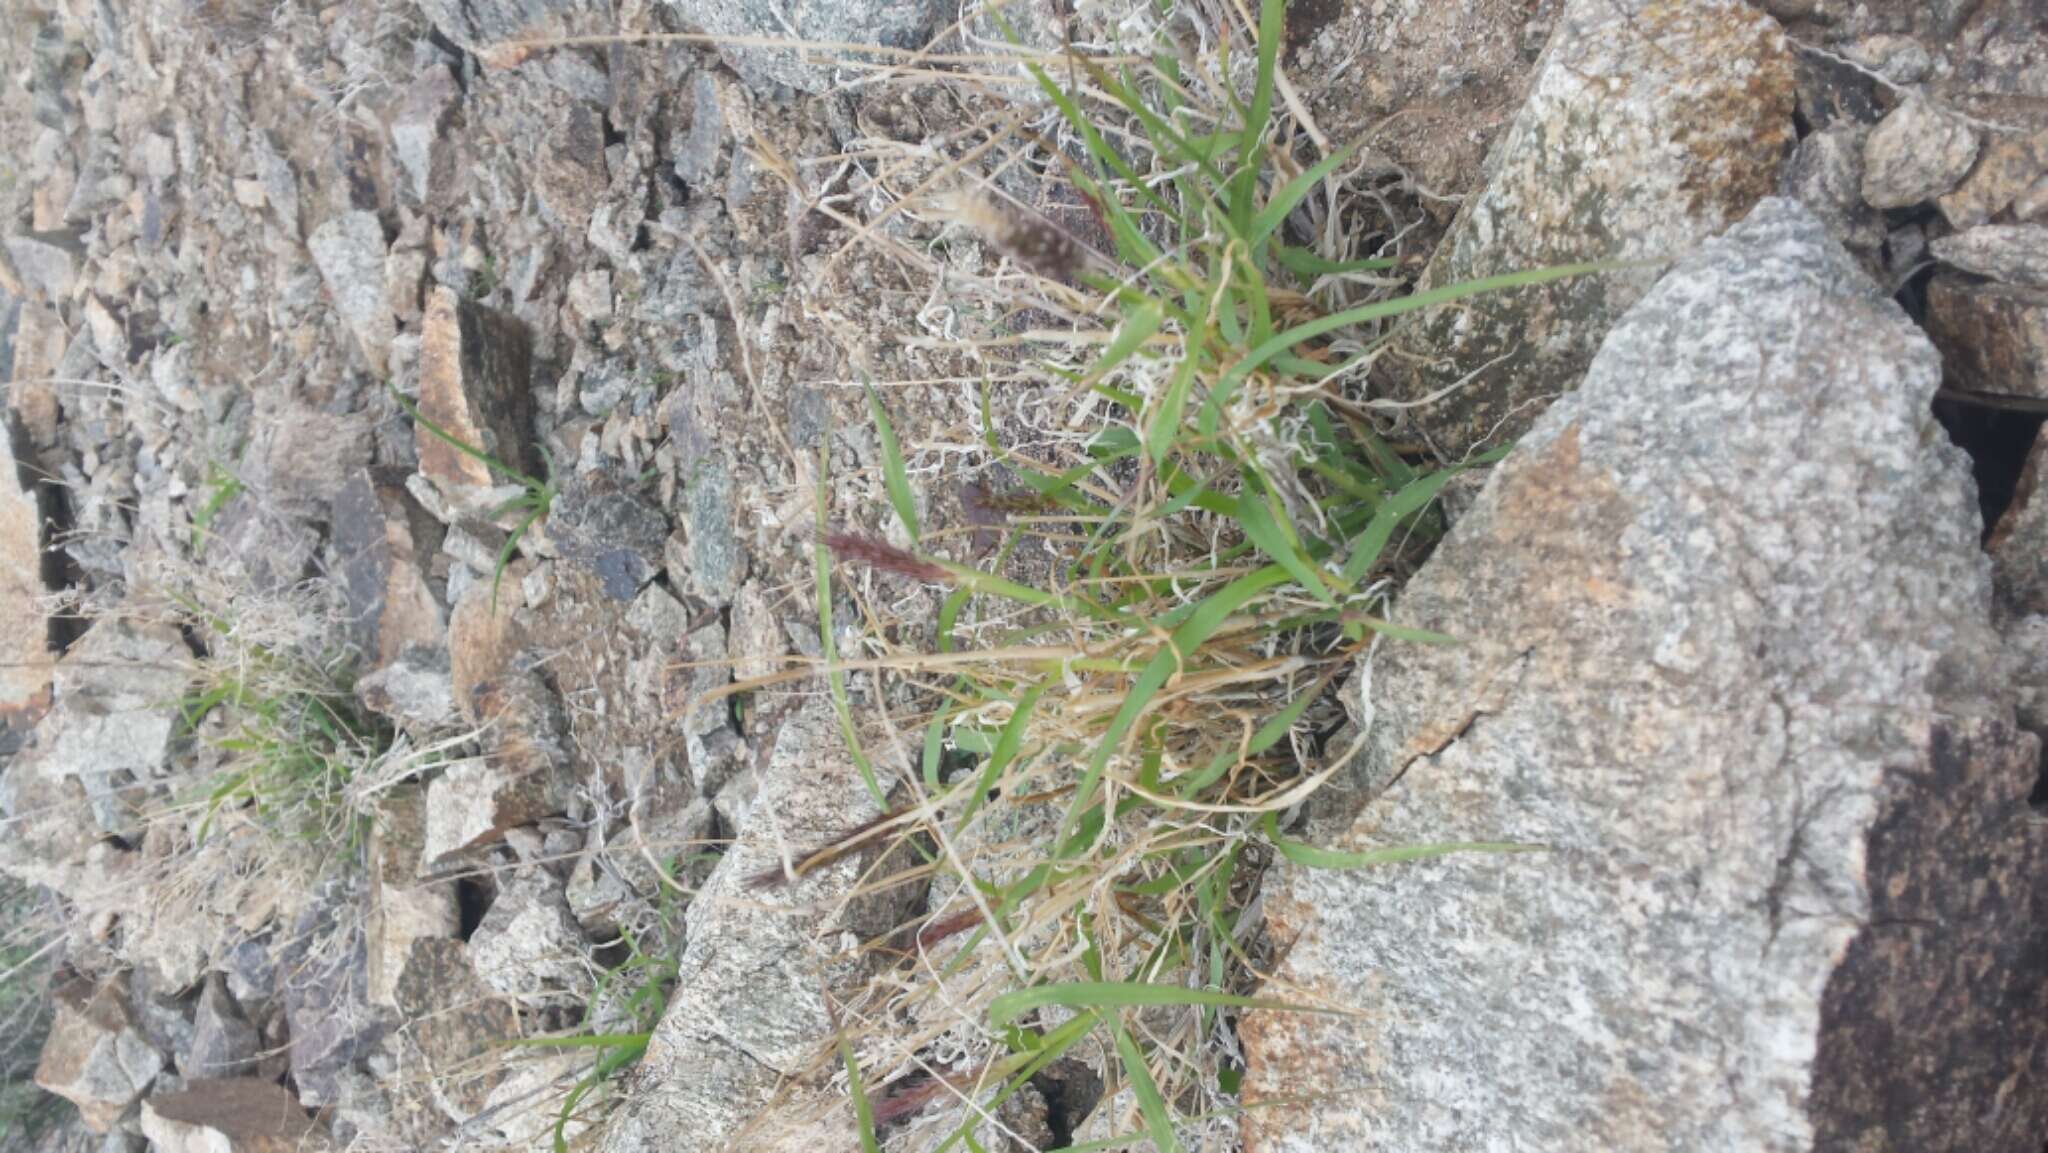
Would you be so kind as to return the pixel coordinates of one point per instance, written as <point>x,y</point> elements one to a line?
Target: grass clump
<point>1223,527</point>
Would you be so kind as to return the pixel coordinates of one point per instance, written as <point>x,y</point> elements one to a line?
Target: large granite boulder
<point>1650,127</point>
<point>1728,656</point>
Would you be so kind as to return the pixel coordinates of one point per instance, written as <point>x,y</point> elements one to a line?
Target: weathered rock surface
<point>2008,167</point>
<point>749,1008</point>
<point>95,1056</point>
<point>25,657</point>
<point>2017,253</point>
<point>1675,118</point>
<point>529,947</point>
<point>1432,84</point>
<point>454,1019</point>
<point>474,367</point>
<point>891,23</point>
<point>1724,618</point>
<point>349,251</point>
<point>1918,152</point>
<point>383,569</point>
<point>404,906</point>
<point>1993,337</point>
<point>224,1043</point>
<point>2019,541</point>
<point>609,529</point>
<point>232,1115</point>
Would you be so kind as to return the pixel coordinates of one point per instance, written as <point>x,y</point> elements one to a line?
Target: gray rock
<point>417,130</point>
<point>2009,166</point>
<point>1825,174</point>
<point>95,1056</point>
<point>475,24</point>
<point>2017,253</point>
<point>325,976</point>
<point>232,1115</point>
<point>697,147</point>
<point>893,23</point>
<point>455,1021</point>
<point>48,262</point>
<point>1675,119</point>
<point>611,530</point>
<point>529,946</point>
<point>712,562</point>
<point>2019,541</point>
<point>349,251</point>
<point>1918,152</point>
<point>2027,641</point>
<point>224,1044</point>
<point>1993,337</point>
<point>416,690</point>
<point>383,570</point>
<point>1723,615</point>
<point>749,1009</point>
<point>520,779</point>
<point>25,657</point>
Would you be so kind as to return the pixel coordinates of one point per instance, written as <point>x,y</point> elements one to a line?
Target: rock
<point>235,1115</point>
<point>474,384</point>
<point>1993,337</point>
<point>2027,641</point>
<point>1444,79</point>
<point>615,883</point>
<point>2010,252</point>
<point>224,1044</point>
<point>473,24</point>
<point>2008,168</point>
<point>454,1020</point>
<point>25,656</point>
<point>1678,117</point>
<point>529,947</point>
<point>609,529</point>
<point>570,175</point>
<point>710,561</point>
<point>40,340</point>
<point>418,128</point>
<point>383,570</point>
<point>1918,152</point>
<point>2019,541</point>
<point>48,262</point>
<point>349,250</point>
<point>1723,614</point>
<point>324,967</point>
<point>520,779</point>
<point>1826,175</point>
<point>416,691</point>
<point>403,908</point>
<point>95,1056</point>
<point>483,633</point>
<point>749,1007</point>
<point>257,545</point>
<point>893,23</point>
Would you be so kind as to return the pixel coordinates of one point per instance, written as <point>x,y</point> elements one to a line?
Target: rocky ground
<point>416,409</point>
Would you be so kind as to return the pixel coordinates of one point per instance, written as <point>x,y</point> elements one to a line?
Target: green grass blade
<point>1314,857</point>
<point>1151,1106</point>
<point>1291,194</point>
<point>863,1110</point>
<point>1113,995</point>
<point>1272,29</point>
<point>1254,514</point>
<point>1379,310</point>
<point>1136,329</point>
<point>1164,427</point>
<point>1307,265</point>
<point>894,478</point>
<point>835,679</point>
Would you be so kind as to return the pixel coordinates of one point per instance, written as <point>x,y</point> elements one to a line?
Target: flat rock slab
<point>1724,613</point>
<point>1651,126</point>
<point>748,1028</point>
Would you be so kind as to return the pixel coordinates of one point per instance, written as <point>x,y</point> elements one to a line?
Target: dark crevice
<point>1071,1091</point>
<point>2038,799</point>
<point>1998,441</point>
<point>53,512</point>
<point>472,901</point>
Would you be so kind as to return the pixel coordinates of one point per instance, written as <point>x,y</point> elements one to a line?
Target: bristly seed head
<point>887,557</point>
<point>1020,234</point>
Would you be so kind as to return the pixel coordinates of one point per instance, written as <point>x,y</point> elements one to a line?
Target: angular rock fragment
<point>25,656</point>
<point>231,1115</point>
<point>474,366</point>
<point>519,779</point>
<point>1675,118</point>
<point>1993,337</point>
<point>2017,253</point>
<point>383,570</point>
<point>1724,619</point>
<point>454,1021</point>
<point>95,1056</point>
<point>2019,541</point>
<point>749,1008</point>
<point>608,528</point>
<point>224,1043</point>
<point>349,250</point>
<point>529,947</point>
<point>1918,152</point>
<point>418,128</point>
<point>404,907</point>
<point>890,23</point>
<point>2009,166</point>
